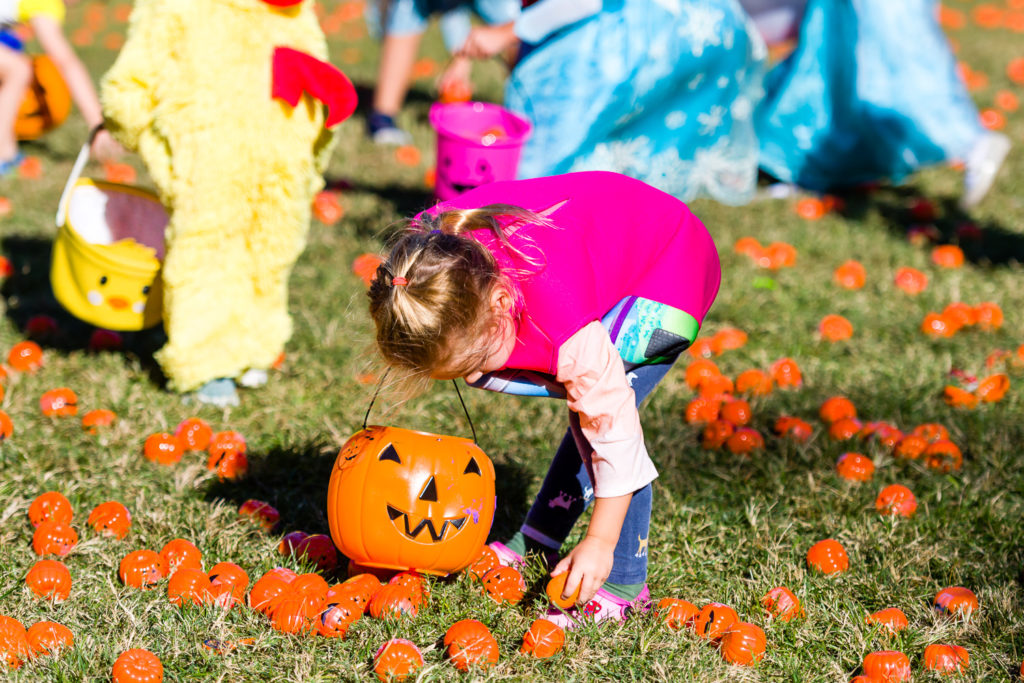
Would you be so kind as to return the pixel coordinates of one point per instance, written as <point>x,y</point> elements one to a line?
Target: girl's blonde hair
<point>431,297</point>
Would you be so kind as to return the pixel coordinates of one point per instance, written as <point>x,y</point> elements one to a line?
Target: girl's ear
<point>501,300</point>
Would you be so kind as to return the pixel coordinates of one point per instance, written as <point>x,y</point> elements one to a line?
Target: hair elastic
<point>399,281</point>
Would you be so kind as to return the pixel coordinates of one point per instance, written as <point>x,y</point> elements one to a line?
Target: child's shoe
<point>383,130</point>
<point>510,558</point>
<point>254,378</point>
<point>11,166</point>
<point>218,392</point>
<point>983,164</point>
<point>603,606</point>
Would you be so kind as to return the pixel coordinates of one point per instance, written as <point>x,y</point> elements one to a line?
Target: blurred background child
<point>402,24</point>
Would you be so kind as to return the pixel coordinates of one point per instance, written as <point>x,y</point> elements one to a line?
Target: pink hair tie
<point>399,281</point>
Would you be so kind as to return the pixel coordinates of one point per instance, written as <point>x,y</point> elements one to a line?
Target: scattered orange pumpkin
<point>484,562</point>
<point>336,618</point>
<point>716,433</point>
<point>543,639</point>
<point>703,348</point>
<point>786,373</point>
<point>53,538</point>
<point>365,267</point>
<point>504,584</point>
<point>49,638</point>
<point>943,455</point>
<point>955,397</point>
<point>835,328</point>
<point>51,506</point>
<point>837,408</point>
<point>748,246</point>
<point>810,208</point>
<point>327,207</point>
<point>262,513</point>
<point>744,441</point>
<point>25,356</point>
<point>60,402</point>
<point>677,614</point>
<point>910,446</point>
<point>737,412</point>
<point>855,467</point>
<point>194,434</point>
<point>896,499</point>
<point>956,599</point>
<point>828,557</point>
<point>948,256</point>
<point>782,604</point>
<point>226,441</point>
<point>291,616</point>
<point>6,426</point>
<point>989,316</point>
<point>743,643</point>
<point>946,658</point>
<point>137,666</point>
<point>993,388</point>
<point>93,420</point>
<point>229,465</point>
<point>268,591</point>
<point>111,519</point>
<point>891,618</point>
<point>754,382</point>
<point>699,371</point>
<point>887,666</point>
<point>468,651</point>
<point>794,428</point>
<point>181,554</point>
<point>715,387</point>
<point>49,579</point>
<point>850,275</point>
<point>393,601</point>
<point>702,410</point>
<point>729,339</point>
<point>234,578</point>
<point>189,586</point>
<point>911,280</point>
<point>142,569</point>
<point>961,313</point>
<point>713,620</point>
<point>396,660</point>
<point>14,646</point>
<point>845,429</point>
<point>162,448</point>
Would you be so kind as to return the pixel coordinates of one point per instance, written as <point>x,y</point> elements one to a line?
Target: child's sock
<point>517,543</point>
<point>626,591</point>
<point>384,130</point>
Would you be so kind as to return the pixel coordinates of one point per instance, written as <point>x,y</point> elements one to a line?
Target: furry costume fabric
<point>236,169</point>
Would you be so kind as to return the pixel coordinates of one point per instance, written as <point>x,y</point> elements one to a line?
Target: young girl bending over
<point>585,286</point>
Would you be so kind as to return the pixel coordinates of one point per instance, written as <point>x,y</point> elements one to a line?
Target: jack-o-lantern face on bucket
<point>400,499</point>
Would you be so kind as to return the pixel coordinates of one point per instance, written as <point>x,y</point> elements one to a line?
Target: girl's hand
<point>104,147</point>
<point>488,41</point>
<point>455,80</point>
<point>588,564</point>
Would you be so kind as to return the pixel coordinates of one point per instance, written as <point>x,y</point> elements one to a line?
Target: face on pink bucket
<point>456,176</point>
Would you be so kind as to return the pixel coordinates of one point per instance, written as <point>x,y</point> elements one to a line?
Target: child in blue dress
<point>660,90</point>
<point>872,92</point>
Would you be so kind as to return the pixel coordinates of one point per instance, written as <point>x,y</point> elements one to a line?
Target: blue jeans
<point>567,491</point>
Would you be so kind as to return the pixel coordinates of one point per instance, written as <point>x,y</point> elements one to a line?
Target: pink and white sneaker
<point>507,556</point>
<point>603,606</point>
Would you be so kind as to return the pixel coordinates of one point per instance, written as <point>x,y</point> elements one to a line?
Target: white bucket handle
<point>76,173</point>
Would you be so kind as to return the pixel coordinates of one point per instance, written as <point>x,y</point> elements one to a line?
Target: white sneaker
<point>254,378</point>
<point>391,136</point>
<point>983,164</point>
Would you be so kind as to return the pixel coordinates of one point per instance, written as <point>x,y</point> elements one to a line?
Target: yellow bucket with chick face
<point>107,255</point>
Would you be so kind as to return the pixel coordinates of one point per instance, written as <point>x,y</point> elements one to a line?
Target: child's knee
<point>15,69</point>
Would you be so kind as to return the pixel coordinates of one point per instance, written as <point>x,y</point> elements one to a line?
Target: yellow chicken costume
<point>217,96</point>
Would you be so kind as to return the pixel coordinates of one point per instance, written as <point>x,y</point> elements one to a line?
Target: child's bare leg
<point>15,77</point>
<point>398,54</point>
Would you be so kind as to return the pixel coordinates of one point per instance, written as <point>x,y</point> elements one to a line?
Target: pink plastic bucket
<point>477,143</point>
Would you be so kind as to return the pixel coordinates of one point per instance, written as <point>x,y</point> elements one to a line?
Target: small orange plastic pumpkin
<point>6,426</point>
<point>955,397</point>
<point>223,442</point>
<point>786,373</point>
<point>744,441</point>
<point>189,587</point>
<point>138,666</point>
<point>292,616</point>
<point>337,617</point>
<point>845,429</point>
<point>263,513</point>
<point>699,371</point>
<point>754,382</point>
<point>556,586</point>
<point>702,410</point>
<point>52,538</point>
<point>677,614</point>
<point>714,620</point>
<point>835,328</point>
<point>396,660</point>
<point>46,102</point>
<point>484,562</point>
<point>234,577</point>
<point>93,420</point>
<point>318,549</point>
<point>737,412</point>
<point>504,584</point>
<point>14,646</point>
<point>993,388</point>
<point>891,618</point>
<point>49,579</point>
<point>794,428</point>
<point>543,639</point>
<point>911,280</point>
<point>470,644</point>
<point>850,275</point>
<point>393,601</point>
<point>228,464</point>
<point>837,408</point>
<point>111,519</point>
<point>956,600</point>
<point>743,643</point>
<point>887,666</point>
<point>716,433</point>
<point>400,499</point>
<point>896,499</point>
<point>946,658</point>
<point>855,467</point>
<point>25,356</point>
<point>828,557</point>
<point>142,569</point>
<point>268,591</point>
<point>181,554</point>
<point>948,256</point>
<point>943,455</point>
<point>931,431</point>
<point>49,637</point>
<point>60,402</point>
<point>194,434</point>
<point>989,316</point>
<point>361,588</point>
<point>782,604</point>
<point>162,448</point>
<point>910,446</point>
<point>51,506</point>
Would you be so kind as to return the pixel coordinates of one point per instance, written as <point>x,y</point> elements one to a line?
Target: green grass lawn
<point>726,527</point>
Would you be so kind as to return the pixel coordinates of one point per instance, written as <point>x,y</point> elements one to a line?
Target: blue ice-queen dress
<point>870,93</point>
<point>660,90</point>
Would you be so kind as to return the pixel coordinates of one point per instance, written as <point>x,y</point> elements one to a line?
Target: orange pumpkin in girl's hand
<point>956,600</point>
<point>142,569</point>
<point>828,557</point>
<point>25,356</point>
<point>60,402</point>
<point>94,419</point>
<point>887,666</point>
<point>111,519</point>
<point>53,538</point>
<point>504,584</point>
<point>835,328</point>
<point>855,467</point>
<point>713,620</point>
<point>743,643</point>
<point>396,660</point>
<point>896,499</point>
<point>138,666</point>
<point>51,506</point>
<point>49,637</point>
<point>194,434</point>
<point>162,448</point>
<point>782,604</point>
<point>850,275</point>
<point>49,579</point>
<point>891,618</point>
<point>677,614</point>
<point>555,589</point>
<point>543,639</point>
<point>911,280</point>
<point>946,658</point>
<point>837,408</point>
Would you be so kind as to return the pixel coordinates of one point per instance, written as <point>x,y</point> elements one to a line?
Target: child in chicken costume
<point>231,106</point>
